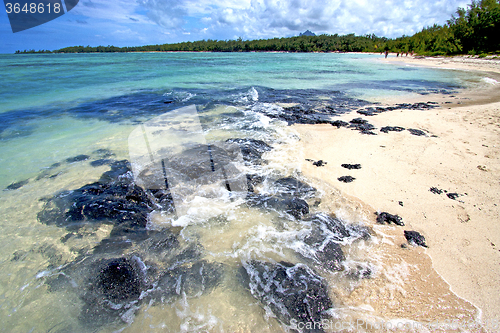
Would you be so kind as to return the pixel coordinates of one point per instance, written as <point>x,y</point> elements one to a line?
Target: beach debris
<point>400,203</point>
<point>294,293</point>
<point>453,196</point>
<point>346,179</point>
<point>388,129</point>
<point>351,166</point>
<point>77,158</point>
<point>385,217</point>
<point>482,168</point>
<point>17,185</point>
<point>415,238</point>
<point>416,132</point>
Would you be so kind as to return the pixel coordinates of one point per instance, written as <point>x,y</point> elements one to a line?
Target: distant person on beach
<point>386,54</point>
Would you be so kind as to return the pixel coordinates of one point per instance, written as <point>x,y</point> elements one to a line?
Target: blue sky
<point>142,22</point>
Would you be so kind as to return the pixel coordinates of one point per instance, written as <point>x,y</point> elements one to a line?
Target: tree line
<point>473,30</point>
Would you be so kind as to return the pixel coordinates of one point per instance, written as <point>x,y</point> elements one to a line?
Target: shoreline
<point>460,154</point>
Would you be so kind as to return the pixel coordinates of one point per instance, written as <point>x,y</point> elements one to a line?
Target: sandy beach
<point>459,154</point>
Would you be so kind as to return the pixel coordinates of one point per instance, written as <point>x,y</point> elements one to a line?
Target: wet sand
<point>460,154</point>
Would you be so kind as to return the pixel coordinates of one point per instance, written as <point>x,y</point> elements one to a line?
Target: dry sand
<point>460,154</point>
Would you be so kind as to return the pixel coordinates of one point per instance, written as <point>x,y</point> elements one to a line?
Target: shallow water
<point>66,119</point>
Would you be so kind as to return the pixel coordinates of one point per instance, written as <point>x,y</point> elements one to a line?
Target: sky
<point>145,22</point>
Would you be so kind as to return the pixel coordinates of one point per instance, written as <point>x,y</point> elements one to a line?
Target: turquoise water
<point>56,107</point>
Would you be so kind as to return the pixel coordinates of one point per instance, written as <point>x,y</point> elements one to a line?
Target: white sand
<point>463,234</point>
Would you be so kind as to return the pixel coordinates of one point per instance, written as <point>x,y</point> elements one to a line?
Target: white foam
<point>490,81</point>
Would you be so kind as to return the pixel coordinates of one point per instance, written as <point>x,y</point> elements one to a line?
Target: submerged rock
<point>385,217</point>
<point>17,185</point>
<point>292,205</point>
<point>191,279</point>
<point>294,187</point>
<point>323,240</point>
<point>294,293</point>
<point>253,180</point>
<point>251,149</point>
<point>114,199</point>
<point>77,158</point>
<point>415,238</point>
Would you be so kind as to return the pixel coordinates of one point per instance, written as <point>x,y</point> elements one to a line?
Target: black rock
<point>346,179</point>
<point>452,196</point>
<point>416,132</point>
<point>385,217</point>
<point>435,190</point>
<point>359,121</point>
<point>112,285</point>
<point>339,123</point>
<point>77,158</point>
<point>118,280</point>
<point>294,293</point>
<point>351,166</point>
<point>388,129</point>
<point>362,125</point>
<point>415,238</point>
<point>319,163</point>
<point>16,185</point>
<point>114,199</point>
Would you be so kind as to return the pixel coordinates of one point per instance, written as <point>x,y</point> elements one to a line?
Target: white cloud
<point>267,18</point>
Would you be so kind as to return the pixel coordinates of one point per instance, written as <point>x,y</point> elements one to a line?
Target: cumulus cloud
<point>268,18</point>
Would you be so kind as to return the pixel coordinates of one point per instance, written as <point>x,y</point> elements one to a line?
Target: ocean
<point>162,192</point>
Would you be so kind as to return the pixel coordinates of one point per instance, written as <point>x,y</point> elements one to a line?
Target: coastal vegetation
<point>474,31</point>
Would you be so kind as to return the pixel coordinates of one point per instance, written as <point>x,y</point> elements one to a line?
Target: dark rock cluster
<point>372,111</point>
<point>134,265</point>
